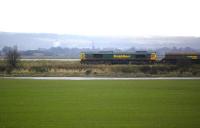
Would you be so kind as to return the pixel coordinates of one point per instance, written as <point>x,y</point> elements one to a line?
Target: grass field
<point>99,104</point>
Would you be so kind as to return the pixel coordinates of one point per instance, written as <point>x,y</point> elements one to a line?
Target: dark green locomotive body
<point>109,57</point>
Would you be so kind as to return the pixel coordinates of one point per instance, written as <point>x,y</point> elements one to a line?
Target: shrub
<point>88,72</point>
<point>145,69</point>
<point>39,69</point>
<point>2,68</point>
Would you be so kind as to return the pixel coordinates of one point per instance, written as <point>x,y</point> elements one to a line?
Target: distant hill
<point>33,41</point>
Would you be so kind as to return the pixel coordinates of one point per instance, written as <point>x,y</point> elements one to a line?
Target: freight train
<point>138,57</point>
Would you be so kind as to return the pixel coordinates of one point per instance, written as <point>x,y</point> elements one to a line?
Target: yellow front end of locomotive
<point>153,56</point>
<point>82,56</point>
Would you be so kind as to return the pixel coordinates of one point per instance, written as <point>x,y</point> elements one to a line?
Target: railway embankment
<point>74,68</point>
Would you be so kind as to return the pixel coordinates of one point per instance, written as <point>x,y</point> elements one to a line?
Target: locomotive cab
<point>153,56</point>
<point>82,56</point>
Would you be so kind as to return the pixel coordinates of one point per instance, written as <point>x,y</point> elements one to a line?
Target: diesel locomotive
<point>110,57</point>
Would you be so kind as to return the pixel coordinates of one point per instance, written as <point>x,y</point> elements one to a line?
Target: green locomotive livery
<point>110,57</point>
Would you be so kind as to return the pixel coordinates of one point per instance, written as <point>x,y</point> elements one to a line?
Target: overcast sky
<point>102,17</point>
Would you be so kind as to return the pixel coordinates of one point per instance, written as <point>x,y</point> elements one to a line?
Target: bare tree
<point>12,57</point>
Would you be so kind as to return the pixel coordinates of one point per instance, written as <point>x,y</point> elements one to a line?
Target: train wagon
<point>110,57</point>
<point>175,58</point>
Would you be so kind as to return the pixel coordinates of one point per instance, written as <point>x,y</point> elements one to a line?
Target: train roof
<point>112,52</point>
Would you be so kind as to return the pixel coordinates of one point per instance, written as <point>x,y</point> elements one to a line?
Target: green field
<point>99,104</point>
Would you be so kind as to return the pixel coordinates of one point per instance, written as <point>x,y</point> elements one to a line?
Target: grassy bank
<point>74,68</point>
<point>99,104</point>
